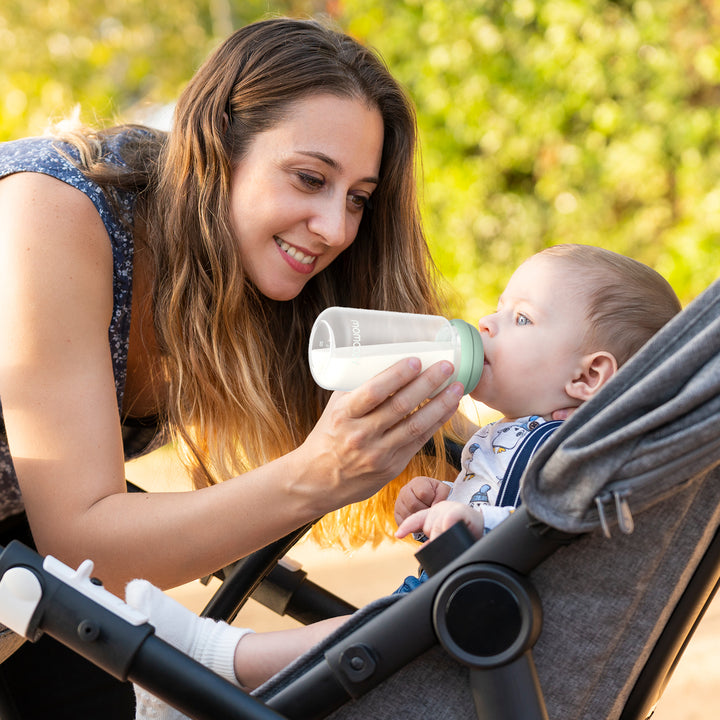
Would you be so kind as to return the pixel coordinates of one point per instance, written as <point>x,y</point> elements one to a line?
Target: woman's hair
<point>627,301</point>
<point>239,387</point>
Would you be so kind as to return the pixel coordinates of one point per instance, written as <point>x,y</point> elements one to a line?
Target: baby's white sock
<point>209,642</point>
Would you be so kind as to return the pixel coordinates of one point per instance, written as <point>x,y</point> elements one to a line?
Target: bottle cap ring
<point>471,355</point>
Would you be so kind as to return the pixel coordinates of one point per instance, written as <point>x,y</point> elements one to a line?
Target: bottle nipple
<point>472,354</point>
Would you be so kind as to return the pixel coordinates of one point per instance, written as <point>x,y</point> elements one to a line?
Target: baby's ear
<point>594,371</point>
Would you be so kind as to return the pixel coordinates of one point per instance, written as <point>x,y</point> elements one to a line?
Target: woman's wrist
<point>310,484</point>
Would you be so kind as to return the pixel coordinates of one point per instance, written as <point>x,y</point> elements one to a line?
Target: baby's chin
<point>517,416</point>
<point>510,414</point>
<point>508,408</point>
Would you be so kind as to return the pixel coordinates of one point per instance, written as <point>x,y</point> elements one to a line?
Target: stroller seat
<point>605,604</point>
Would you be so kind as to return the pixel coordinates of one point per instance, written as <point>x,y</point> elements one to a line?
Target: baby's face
<point>533,343</point>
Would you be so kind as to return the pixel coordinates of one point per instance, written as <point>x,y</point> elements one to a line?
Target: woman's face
<point>299,193</point>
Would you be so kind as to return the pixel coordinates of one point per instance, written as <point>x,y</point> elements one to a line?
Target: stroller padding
<point>605,602</point>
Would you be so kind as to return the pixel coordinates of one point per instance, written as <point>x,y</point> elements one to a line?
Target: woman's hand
<point>366,437</point>
<point>419,494</point>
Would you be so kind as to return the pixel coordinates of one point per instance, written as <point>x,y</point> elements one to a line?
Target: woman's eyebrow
<point>334,164</point>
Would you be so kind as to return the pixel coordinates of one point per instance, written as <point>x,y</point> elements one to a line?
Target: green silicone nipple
<point>471,354</point>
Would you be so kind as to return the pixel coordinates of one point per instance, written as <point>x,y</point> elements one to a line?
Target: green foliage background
<point>592,121</point>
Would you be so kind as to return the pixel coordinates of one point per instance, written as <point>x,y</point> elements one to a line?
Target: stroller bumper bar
<point>39,597</point>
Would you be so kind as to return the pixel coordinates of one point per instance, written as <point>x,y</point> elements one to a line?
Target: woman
<point>286,185</point>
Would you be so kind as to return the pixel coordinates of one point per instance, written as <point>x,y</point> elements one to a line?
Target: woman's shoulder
<point>52,220</point>
<point>37,154</point>
<point>50,157</point>
<point>58,159</point>
<point>33,195</point>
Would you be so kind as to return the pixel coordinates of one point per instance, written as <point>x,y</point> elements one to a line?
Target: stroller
<point>577,606</point>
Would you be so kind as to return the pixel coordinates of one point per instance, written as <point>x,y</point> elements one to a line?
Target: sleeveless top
<point>50,157</point>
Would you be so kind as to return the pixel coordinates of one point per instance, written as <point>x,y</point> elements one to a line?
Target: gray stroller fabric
<point>645,451</point>
<point>653,427</point>
<point>605,602</point>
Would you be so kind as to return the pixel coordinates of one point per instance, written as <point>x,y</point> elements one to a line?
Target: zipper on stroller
<point>618,500</point>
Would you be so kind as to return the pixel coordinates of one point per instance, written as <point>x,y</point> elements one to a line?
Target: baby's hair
<point>628,302</point>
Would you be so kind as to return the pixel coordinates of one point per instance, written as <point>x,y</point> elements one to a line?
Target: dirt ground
<point>360,577</point>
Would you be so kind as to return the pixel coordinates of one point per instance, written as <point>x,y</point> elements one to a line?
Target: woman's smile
<point>298,259</point>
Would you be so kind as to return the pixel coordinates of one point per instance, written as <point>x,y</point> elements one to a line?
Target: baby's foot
<point>209,642</point>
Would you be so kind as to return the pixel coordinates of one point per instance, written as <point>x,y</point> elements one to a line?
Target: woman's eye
<point>358,202</point>
<point>311,181</point>
<point>521,319</point>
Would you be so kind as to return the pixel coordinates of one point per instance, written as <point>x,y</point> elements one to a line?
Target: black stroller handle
<point>44,596</point>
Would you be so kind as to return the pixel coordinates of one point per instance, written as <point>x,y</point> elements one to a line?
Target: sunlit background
<point>567,120</point>
<point>587,121</point>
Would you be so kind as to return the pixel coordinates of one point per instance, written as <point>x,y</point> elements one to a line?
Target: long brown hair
<point>240,392</point>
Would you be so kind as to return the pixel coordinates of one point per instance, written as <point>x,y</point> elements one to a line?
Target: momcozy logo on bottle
<point>356,339</point>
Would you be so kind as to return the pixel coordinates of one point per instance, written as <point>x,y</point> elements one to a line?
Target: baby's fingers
<point>420,493</point>
<point>412,523</point>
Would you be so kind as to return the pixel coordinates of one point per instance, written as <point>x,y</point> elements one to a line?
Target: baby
<point>569,317</point>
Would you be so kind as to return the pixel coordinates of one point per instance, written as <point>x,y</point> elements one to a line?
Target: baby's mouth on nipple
<point>293,252</point>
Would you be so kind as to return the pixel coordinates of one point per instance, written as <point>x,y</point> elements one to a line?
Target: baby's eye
<point>313,182</point>
<point>521,319</point>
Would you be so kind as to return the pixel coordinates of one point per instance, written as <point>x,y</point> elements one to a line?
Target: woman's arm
<point>60,411</point>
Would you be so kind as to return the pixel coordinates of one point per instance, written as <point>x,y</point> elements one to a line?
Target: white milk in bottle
<point>349,346</point>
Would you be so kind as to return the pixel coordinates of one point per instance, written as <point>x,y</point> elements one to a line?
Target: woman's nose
<point>330,223</point>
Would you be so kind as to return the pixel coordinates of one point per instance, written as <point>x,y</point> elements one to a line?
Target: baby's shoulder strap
<point>510,488</point>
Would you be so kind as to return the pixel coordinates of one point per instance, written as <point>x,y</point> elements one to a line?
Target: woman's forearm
<point>175,537</point>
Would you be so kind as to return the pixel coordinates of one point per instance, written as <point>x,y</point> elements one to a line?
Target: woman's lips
<point>296,258</point>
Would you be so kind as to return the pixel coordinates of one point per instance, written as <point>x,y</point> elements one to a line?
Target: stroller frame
<point>67,611</point>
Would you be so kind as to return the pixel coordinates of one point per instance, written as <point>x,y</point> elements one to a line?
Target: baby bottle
<point>349,346</point>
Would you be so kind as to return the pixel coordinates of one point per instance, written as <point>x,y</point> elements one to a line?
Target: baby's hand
<point>435,520</point>
<point>419,494</point>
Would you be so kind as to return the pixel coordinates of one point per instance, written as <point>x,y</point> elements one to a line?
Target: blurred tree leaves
<point>586,121</point>
<point>108,57</point>
<point>541,121</point>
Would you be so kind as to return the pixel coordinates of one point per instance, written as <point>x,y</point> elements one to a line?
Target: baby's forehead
<point>537,272</point>
<point>541,278</point>
<point>545,269</point>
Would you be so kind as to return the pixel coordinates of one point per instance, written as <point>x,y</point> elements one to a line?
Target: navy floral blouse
<point>49,156</point>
